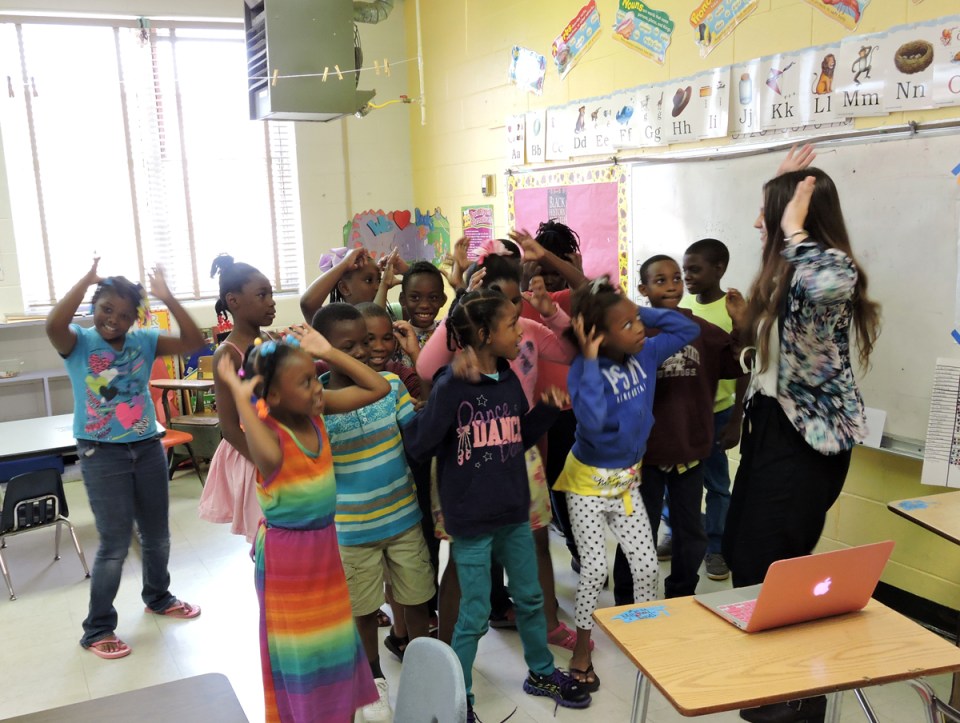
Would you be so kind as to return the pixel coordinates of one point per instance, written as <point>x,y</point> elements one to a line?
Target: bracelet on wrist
<point>792,236</point>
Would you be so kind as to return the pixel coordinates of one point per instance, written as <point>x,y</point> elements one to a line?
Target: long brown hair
<point>825,225</point>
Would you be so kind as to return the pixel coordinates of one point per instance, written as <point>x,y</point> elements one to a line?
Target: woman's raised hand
<point>736,308</point>
<point>795,213</point>
<point>797,159</point>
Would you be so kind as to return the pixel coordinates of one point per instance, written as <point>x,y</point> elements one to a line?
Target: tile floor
<point>42,666</point>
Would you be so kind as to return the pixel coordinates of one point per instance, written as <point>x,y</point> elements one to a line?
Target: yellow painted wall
<point>465,48</point>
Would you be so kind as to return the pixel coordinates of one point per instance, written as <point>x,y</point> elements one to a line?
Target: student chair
<point>174,438</point>
<point>431,685</point>
<point>34,500</point>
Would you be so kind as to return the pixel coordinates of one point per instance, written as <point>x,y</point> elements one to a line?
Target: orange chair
<point>173,438</point>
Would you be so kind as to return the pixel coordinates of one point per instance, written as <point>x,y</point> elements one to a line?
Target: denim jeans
<point>512,546</point>
<point>716,480</point>
<point>126,483</point>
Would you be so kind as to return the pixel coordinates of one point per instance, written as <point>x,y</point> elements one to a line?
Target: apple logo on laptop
<point>822,588</point>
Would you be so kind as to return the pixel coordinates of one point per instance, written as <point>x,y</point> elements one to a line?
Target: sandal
<point>122,649</point>
<point>589,686</point>
<point>383,620</point>
<point>396,645</point>
<point>507,620</point>
<point>564,637</point>
<point>179,609</point>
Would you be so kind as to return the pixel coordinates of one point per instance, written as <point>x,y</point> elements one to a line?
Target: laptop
<point>804,588</point>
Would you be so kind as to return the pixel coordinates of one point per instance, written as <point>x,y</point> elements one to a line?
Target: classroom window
<point>135,145</point>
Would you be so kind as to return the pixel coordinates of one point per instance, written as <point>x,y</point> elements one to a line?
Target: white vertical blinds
<point>136,145</point>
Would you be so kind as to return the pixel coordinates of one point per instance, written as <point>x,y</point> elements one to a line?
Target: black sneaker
<point>559,687</point>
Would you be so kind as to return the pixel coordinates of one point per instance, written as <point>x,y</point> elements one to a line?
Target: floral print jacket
<point>816,387</point>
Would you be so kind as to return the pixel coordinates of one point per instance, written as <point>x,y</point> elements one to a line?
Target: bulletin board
<point>901,205</point>
<point>591,201</point>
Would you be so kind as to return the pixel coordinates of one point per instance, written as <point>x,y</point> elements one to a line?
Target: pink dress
<point>230,492</point>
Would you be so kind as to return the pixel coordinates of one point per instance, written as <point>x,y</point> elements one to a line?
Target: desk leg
<point>932,705</point>
<point>166,405</point>
<point>865,705</point>
<point>834,701</point>
<point>640,690</point>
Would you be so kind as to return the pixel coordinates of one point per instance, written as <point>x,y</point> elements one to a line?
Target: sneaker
<point>380,710</point>
<point>665,548</point>
<point>558,686</point>
<point>716,566</point>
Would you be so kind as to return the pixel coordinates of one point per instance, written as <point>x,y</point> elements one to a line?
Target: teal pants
<point>512,547</point>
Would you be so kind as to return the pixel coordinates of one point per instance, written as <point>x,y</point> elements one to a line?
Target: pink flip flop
<point>122,651</point>
<point>179,609</point>
<point>564,637</point>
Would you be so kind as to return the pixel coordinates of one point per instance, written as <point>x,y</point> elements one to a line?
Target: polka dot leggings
<point>589,515</point>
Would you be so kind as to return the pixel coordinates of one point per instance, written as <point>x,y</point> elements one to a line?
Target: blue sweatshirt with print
<point>613,402</point>
<point>479,432</point>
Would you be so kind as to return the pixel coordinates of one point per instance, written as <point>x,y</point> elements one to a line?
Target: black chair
<point>34,500</point>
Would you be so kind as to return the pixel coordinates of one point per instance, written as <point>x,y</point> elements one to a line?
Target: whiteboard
<point>901,205</point>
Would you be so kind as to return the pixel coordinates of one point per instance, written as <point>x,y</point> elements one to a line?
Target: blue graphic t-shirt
<point>111,389</point>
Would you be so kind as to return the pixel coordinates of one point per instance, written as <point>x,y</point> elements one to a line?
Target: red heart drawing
<point>127,415</point>
<point>401,219</point>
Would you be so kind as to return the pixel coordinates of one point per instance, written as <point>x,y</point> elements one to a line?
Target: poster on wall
<point>698,107</point>
<point>527,69</point>
<point>593,202</point>
<point>714,20</point>
<point>595,128</point>
<point>909,70</point>
<point>416,235</point>
<point>535,134</point>
<point>946,75</point>
<point>560,124</point>
<point>640,27</point>
<point>779,106</point>
<point>816,69</point>
<point>576,38</point>
<point>845,12</point>
<point>858,84</point>
<point>477,227</point>
<point>713,98</point>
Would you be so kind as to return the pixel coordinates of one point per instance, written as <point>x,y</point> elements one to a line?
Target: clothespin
<point>325,71</point>
<point>276,72</point>
<point>339,74</point>
<point>376,67</point>
<point>386,67</point>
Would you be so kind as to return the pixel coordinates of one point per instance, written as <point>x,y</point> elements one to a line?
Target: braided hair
<point>497,266</point>
<point>472,317</point>
<point>233,277</point>
<point>265,360</point>
<point>592,301</point>
<point>558,238</point>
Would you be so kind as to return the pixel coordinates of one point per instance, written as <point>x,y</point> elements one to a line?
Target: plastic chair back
<point>43,485</point>
<point>431,685</point>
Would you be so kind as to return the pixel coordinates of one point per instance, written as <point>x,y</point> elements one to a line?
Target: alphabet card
<point>779,78</point>
<point>909,67</point>
<point>946,71</point>
<point>858,85</point>
<point>745,98</point>
<point>713,100</point>
<point>516,144</point>
<point>641,118</point>
<point>536,136</point>
<point>599,131</point>
<point>816,68</point>
<point>560,132</point>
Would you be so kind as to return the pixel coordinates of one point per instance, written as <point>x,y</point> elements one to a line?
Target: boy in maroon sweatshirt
<point>682,434</point>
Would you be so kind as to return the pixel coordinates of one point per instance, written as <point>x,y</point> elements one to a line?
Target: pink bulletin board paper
<point>590,201</point>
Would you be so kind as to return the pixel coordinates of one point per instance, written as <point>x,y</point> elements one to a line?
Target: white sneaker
<point>379,711</point>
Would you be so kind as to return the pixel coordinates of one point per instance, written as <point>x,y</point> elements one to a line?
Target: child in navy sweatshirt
<point>611,385</point>
<point>478,429</point>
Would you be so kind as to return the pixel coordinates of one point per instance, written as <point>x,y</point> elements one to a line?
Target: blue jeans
<point>512,546</point>
<point>716,480</point>
<point>126,483</point>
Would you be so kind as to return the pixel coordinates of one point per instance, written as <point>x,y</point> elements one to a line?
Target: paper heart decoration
<point>401,219</point>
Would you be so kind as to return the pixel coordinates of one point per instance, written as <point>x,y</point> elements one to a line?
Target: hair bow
<point>492,246</point>
<point>332,258</point>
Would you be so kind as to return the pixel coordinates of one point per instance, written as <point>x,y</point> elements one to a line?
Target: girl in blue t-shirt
<point>122,460</point>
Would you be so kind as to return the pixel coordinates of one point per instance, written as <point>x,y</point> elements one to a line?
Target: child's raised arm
<point>261,441</point>
<point>585,381</point>
<point>61,315</point>
<point>319,291</point>
<point>190,338</point>
<point>676,331</point>
<point>370,386</point>
<point>535,253</point>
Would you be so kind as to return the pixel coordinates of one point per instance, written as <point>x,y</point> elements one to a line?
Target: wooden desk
<point>703,664</point>
<point>201,699</point>
<point>940,514</point>
<point>199,386</point>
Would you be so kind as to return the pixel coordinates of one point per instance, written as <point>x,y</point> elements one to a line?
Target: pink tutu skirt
<point>230,493</point>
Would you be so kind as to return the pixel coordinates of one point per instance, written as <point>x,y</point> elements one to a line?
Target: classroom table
<point>198,386</point>
<point>704,664</point>
<point>940,514</point>
<point>37,437</point>
<point>205,698</point>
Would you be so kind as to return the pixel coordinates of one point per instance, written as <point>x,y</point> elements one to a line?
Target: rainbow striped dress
<point>314,667</point>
